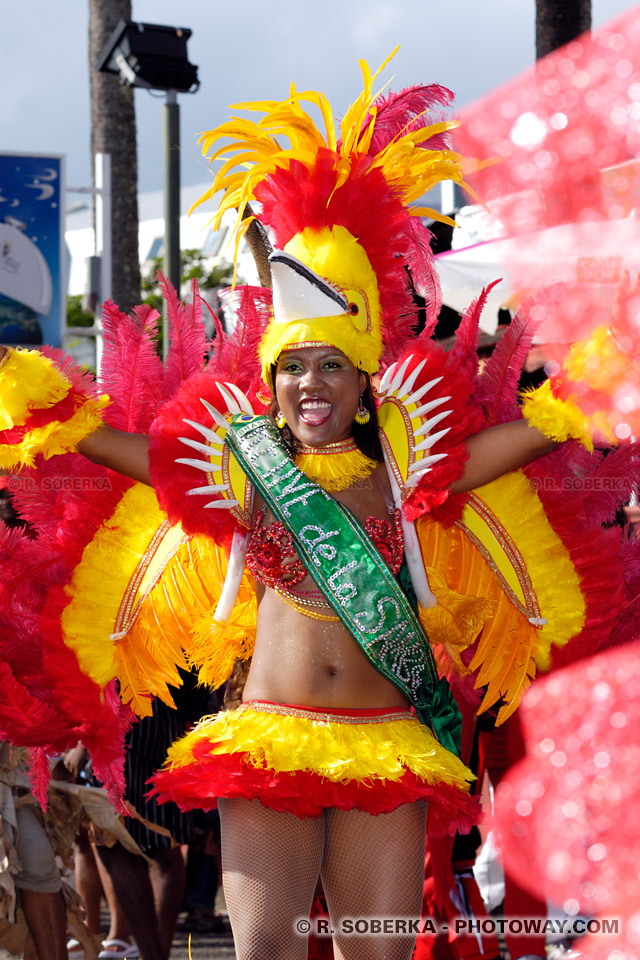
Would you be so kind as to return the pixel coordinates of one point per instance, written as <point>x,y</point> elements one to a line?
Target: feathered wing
<point>524,576</point>
<point>110,589</point>
<point>426,413</point>
<point>616,472</point>
<point>423,277</point>
<point>197,480</point>
<point>24,716</point>
<point>162,582</point>
<point>544,600</point>
<point>466,343</point>
<point>46,701</point>
<point>47,406</point>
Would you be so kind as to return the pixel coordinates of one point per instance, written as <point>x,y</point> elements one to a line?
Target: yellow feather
<point>55,437</point>
<point>412,171</point>
<point>144,643</point>
<point>28,381</point>
<point>109,560</point>
<point>317,98</point>
<point>597,361</point>
<point>433,215</point>
<point>556,418</point>
<point>339,752</point>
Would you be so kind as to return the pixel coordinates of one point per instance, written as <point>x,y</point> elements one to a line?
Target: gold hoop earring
<point>280,421</point>
<point>362,414</point>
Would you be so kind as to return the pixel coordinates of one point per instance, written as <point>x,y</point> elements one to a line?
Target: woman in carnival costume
<point>360,521</point>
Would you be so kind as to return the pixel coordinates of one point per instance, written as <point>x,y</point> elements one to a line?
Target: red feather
<point>611,483</point>
<point>465,420</point>
<point>560,468</point>
<point>424,276</point>
<point>171,480</point>
<point>131,367</point>
<point>64,705</point>
<point>20,647</point>
<point>82,380</point>
<point>26,719</point>
<point>466,343</point>
<point>594,552</point>
<point>498,382</point>
<point>61,487</point>
<point>408,110</point>
<point>39,774</point>
<point>626,629</point>
<point>108,757</point>
<point>187,338</point>
<point>217,323</point>
<point>631,556</point>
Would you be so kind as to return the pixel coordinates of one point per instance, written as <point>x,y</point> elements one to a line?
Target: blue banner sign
<point>32,287</point>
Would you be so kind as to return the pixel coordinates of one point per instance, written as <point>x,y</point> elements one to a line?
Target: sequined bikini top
<point>272,558</point>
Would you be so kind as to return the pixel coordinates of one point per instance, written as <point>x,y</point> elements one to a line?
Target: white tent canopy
<point>587,253</point>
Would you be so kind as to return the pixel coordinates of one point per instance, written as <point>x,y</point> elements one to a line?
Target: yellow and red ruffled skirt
<point>302,760</point>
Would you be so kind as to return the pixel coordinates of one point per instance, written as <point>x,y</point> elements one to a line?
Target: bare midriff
<point>303,660</point>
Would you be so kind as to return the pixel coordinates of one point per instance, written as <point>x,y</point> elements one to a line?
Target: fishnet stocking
<point>370,867</point>
<point>374,867</point>
<point>271,862</point>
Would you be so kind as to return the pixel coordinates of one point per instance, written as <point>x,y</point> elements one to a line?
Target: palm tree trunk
<point>113,131</point>
<point>558,22</point>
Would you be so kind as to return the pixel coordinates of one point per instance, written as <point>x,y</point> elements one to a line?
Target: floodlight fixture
<point>149,55</point>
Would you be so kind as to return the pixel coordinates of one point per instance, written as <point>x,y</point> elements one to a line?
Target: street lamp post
<point>172,191</point>
<point>155,57</point>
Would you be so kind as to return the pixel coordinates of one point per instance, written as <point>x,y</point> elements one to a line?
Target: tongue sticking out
<point>315,412</point>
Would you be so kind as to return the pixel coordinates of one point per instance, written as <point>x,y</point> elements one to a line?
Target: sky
<point>252,50</point>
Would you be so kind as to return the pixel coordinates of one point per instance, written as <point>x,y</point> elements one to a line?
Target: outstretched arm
<point>126,453</point>
<point>498,450</point>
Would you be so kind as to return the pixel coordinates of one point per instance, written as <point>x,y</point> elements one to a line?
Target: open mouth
<point>315,412</point>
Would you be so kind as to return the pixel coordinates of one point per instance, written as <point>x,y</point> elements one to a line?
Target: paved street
<point>204,946</point>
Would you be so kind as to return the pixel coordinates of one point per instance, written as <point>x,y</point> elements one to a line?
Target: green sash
<point>350,572</point>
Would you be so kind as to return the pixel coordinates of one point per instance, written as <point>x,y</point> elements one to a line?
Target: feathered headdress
<point>338,210</point>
